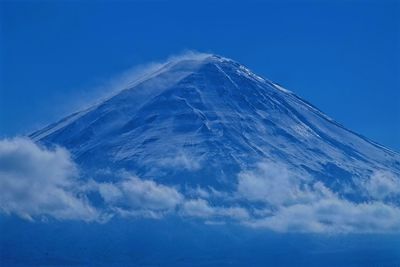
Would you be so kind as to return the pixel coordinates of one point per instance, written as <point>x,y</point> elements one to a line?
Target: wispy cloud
<point>133,76</point>
<point>101,89</point>
<point>142,72</point>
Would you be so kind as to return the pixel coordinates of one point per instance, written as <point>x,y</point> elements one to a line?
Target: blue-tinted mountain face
<point>199,163</point>
<point>201,121</point>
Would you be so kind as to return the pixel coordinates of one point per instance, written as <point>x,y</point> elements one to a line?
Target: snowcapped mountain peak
<point>203,118</point>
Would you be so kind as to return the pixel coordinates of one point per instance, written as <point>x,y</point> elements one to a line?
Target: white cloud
<point>139,213</point>
<point>180,160</point>
<point>197,208</point>
<point>129,78</point>
<point>109,192</point>
<point>382,184</point>
<point>201,208</point>
<point>208,192</point>
<point>332,215</point>
<point>140,73</point>
<point>274,184</point>
<point>268,182</point>
<point>297,205</point>
<point>136,194</point>
<point>35,181</point>
<point>150,195</point>
<point>198,192</point>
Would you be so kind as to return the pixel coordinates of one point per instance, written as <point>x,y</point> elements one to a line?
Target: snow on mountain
<point>202,120</point>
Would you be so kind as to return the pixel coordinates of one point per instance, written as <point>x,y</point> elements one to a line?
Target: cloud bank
<point>200,208</point>
<point>274,184</point>
<point>37,182</point>
<point>139,198</point>
<point>292,204</point>
<point>382,185</point>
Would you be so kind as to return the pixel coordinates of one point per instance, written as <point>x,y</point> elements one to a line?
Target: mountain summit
<point>201,120</point>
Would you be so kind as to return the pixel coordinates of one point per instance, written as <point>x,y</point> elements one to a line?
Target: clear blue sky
<point>342,56</point>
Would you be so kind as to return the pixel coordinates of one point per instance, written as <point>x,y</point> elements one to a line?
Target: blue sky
<point>342,56</point>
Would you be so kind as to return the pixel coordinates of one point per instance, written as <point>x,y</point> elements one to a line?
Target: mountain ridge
<point>35,135</point>
<point>214,111</point>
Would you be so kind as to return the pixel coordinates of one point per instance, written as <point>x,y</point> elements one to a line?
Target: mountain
<point>201,120</point>
<point>199,162</point>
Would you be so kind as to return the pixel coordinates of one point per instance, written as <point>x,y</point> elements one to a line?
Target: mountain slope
<point>200,121</point>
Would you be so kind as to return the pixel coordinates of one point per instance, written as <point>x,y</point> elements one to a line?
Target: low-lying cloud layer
<point>382,185</point>
<point>36,182</point>
<point>137,197</point>
<point>200,208</point>
<point>293,204</point>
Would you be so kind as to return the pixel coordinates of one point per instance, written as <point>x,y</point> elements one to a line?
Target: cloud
<point>332,215</point>
<point>148,194</point>
<point>137,197</point>
<point>208,192</point>
<point>200,208</point>
<point>382,185</point>
<point>180,160</point>
<point>300,205</point>
<point>35,181</point>
<point>142,72</point>
<point>275,184</point>
<point>198,192</point>
<point>268,182</point>
<point>105,88</point>
<point>137,75</point>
